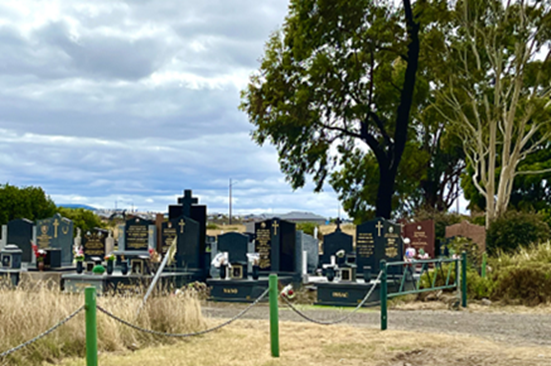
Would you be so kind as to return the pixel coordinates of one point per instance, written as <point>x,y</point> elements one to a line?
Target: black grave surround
<point>246,290</point>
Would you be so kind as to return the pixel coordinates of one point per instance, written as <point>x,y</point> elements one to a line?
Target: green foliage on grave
<point>84,219</point>
<point>24,203</point>
<point>515,229</point>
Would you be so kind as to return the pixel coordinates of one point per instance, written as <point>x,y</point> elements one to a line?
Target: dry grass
<point>226,229</point>
<point>27,313</point>
<point>246,343</point>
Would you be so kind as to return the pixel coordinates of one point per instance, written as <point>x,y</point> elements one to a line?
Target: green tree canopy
<point>334,94</point>
<point>86,220</point>
<point>24,203</point>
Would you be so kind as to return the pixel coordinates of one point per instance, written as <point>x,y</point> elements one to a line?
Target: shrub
<point>527,284</point>
<point>307,227</point>
<point>212,226</point>
<point>515,229</point>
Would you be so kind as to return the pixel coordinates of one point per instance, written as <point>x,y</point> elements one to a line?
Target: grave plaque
<point>375,240</point>
<point>56,232</point>
<point>276,242</point>
<point>93,244</point>
<point>137,234</point>
<point>334,242</point>
<point>20,233</point>
<point>168,233</point>
<point>421,235</point>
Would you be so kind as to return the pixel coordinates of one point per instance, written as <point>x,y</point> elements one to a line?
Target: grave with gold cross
<point>56,233</point>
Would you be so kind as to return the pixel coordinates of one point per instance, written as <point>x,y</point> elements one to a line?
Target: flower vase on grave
<point>124,267</point>
<point>109,267</point>
<point>80,267</point>
<point>256,272</point>
<point>40,265</point>
<point>223,268</point>
<point>330,274</point>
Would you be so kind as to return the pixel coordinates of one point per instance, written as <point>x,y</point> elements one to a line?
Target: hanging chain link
<point>330,322</point>
<point>183,335</point>
<point>42,335</point>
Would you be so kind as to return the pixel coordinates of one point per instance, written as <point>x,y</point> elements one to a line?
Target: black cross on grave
<point>338,222</point>
<point>186,201</point>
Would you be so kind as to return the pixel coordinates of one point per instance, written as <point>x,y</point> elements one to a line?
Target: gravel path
<point>516,329</point>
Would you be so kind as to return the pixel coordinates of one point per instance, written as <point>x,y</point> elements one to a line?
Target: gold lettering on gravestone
<point>137,237</point>
<point>230,291</point>
<point>94,246</point>
<point>263,247</point>
<point>391,247</point>
<point>419,239</point>
<point>365,244</point>
<point>169,233</point>
<point>65,230</point>
<point>182,224</point>
<point>56,224</point>
<point>342,295</point>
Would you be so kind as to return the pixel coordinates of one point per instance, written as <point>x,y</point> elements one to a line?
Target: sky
<point>127,103</point>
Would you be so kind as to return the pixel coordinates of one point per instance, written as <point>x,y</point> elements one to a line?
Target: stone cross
<point>187,201</point>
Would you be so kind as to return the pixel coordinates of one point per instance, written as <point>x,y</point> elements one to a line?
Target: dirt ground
<point>512,327</point>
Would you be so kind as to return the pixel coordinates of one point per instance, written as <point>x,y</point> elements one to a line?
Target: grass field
<point>246,343</point>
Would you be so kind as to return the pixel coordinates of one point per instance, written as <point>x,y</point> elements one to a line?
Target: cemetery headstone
<point>334,242</point>
<point>465,229</point>
<point>311,246</point>
<point>136,235</point>
<point>56,232</point>
<point>20,233</point>
<point>93,244</point>
<point>376,240</point>
<point>3,236</point>
<point>188,255</point>
<point>236,245</point>
<point>169,231</point>
<point>421,235</point>
<point>275,242</point>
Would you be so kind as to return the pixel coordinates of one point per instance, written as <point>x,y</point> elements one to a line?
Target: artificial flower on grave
<point>78,253</point>
<point>110,257</point>
<point>40,254</point>
<point>154,256</point>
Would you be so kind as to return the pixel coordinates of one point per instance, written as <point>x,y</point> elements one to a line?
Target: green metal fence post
<point>274,316</point>
<point>464,279</point>
<point>484,262</point>
<point>383,295</point>
<point>91,328</point>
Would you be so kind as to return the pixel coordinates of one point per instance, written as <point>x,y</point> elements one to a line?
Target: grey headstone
<point>152,237</point>
<point>311,247</point>
<point>299,251</point>
<point>56,232</point>
<point>3,236</point>
<point>121,241</point>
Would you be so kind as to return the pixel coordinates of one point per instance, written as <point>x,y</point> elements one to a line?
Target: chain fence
<point>340,320</point>
<point>42,335</point>
<point>183,335</point>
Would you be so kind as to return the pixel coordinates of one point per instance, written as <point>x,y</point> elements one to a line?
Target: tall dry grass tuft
<point>25,313</point>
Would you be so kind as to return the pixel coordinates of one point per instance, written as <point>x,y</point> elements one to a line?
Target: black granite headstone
<point>20,233</point>
<point>93,244</point>
<point>137,234</point>
<point>334,242</point>
<point>275,242</point>
<point>56,232</point>
<point>236,244</point>
<point>188,254</point>
<point>378,239</point>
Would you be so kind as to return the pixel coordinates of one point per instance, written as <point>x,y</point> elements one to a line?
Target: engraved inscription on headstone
<point>264,245</point>
<point>137,234</point>
<point>167,236</point>
<point>93,244</point>
<point>375,240</point>
<point>421,235</point>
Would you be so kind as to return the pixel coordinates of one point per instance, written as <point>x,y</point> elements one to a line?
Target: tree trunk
<point>385,192</point>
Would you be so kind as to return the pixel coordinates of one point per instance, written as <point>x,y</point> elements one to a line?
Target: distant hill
<point>76,205</point>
